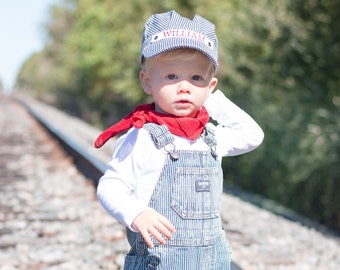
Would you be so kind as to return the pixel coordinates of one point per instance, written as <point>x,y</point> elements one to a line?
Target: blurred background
<point>279,61</point>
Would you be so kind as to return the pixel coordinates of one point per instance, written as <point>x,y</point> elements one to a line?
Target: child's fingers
<point>167,223</point>
<point>165,229</point>
<point>153,223</point>
<point>156,234</point>
<point>147,239</point>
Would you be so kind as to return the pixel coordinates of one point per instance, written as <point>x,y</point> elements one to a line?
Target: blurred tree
<point>279,60</point>
<point>287,63</point>
<point>314,66</point>
<point>32,74</point>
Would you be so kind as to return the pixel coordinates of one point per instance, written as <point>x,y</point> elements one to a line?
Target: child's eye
<point>197,77</point>
<point>172,77</point>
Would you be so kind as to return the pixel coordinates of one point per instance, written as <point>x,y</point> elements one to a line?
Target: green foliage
<point>280,66</point>
<point>279,60</point>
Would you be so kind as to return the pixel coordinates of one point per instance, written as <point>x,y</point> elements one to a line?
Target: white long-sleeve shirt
<point>127,185</point>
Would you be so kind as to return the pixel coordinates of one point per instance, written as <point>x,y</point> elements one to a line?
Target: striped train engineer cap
<point>167,31</point>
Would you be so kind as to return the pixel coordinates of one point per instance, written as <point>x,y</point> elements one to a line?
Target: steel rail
<point>89,165</point>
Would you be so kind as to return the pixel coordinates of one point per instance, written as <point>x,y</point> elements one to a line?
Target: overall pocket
<point>196,192</point>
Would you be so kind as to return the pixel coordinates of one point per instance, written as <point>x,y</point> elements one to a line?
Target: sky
<point>22,34</point>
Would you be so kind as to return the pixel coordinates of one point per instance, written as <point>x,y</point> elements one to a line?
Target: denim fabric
<point>188,194</point>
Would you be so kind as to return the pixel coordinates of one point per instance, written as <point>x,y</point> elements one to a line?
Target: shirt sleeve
<point>116,189</point>
<point>236,133</point>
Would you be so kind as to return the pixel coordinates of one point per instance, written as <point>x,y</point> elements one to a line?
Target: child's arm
<point>116,199</point>
<point>236,133</point>
<point>117,188</point>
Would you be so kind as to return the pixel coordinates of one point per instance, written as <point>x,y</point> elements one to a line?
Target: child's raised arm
<point>237,132</point>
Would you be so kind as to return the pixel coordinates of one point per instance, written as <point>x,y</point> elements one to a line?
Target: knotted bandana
<point>189,127</point>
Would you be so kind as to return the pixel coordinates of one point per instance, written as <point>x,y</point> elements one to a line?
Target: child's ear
<point>145,82</point>
<point>212,85</point>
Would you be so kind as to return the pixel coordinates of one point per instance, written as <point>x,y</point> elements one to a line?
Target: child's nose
<point>184,86</point>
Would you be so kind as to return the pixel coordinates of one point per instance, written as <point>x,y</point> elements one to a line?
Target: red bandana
<point>189,127</point>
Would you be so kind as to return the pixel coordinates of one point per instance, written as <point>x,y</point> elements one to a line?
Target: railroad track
<point>89,165</point>
<point>260,239</point>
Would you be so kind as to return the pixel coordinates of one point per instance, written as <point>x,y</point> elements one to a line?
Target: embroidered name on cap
<point>182,33</point>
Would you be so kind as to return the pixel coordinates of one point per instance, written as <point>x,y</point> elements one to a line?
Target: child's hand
<point>153,223</point>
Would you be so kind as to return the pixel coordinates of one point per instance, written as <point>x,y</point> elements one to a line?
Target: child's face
<point>179,83</point>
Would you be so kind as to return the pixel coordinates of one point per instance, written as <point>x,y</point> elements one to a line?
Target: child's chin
<point>185,113</point>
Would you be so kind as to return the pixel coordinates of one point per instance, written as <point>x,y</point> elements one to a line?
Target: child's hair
<point>186,53</point>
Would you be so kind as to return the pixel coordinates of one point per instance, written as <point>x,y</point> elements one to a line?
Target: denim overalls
<point>188,194</point>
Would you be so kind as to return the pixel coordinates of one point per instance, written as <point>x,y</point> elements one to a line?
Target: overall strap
<point>209,138</point>
<point>162,138</point>
<point>160,134</point>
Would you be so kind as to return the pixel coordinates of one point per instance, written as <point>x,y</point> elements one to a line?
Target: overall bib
<point>188,194</point>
